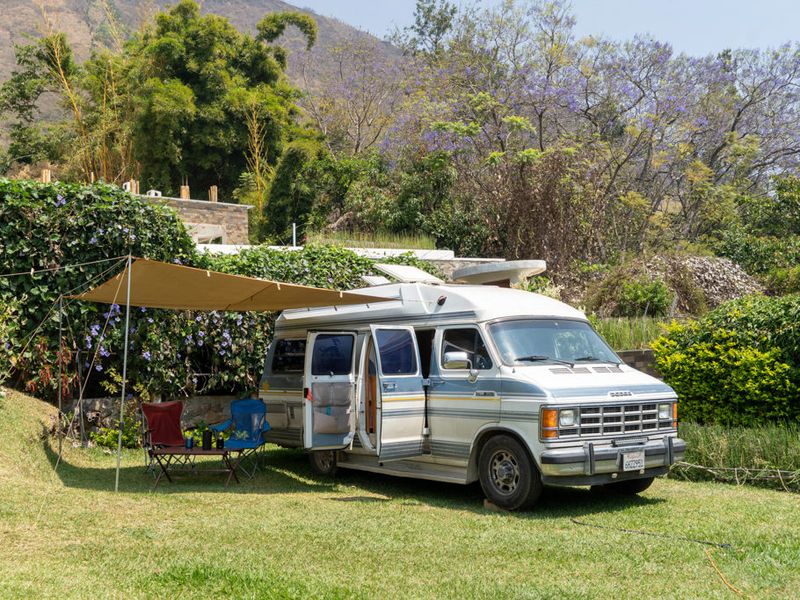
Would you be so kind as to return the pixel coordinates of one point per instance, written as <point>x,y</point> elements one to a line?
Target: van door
<point>401,395</point>
<point>329,390</point>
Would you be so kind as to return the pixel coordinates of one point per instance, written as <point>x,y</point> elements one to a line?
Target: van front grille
<point>618,419</point>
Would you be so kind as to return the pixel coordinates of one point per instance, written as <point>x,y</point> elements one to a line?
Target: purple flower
<point>142,309</point>
<point>146,355</point>
<point>103,352</point>
<point>98,368</point>
<point>94,330</point>
<point>149,319</point>
<point>60,200</point>
<point>198,318</point>
<point>93,241</point>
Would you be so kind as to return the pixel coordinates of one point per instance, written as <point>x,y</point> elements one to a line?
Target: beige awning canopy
<point>163,285</point>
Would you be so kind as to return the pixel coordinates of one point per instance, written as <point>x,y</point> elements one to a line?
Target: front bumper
<point>593,464</point>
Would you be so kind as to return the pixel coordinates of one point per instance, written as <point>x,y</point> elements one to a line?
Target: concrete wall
<point>209,220</point>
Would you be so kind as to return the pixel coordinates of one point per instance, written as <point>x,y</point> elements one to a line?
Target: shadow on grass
<point>288,471</point>
<point>276,476</point>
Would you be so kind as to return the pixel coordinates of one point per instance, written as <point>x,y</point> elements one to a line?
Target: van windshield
<point>529,341</point>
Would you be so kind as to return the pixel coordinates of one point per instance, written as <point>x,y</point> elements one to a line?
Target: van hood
<point>593,380</point>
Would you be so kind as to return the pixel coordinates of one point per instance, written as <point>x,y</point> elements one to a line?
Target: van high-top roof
<point>432,303</point>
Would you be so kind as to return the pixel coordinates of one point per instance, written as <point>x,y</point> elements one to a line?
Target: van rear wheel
<point>509,477</point>
<point>323,462</point>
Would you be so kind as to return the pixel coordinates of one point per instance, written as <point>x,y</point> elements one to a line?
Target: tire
<point>509,477</point>
<point>629,487</point>
<point>323,462</point>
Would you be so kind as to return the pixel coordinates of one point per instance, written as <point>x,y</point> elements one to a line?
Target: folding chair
<point>247,426</point>
<point>162,429</point>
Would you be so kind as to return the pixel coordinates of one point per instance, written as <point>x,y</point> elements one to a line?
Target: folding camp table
<point>166,457</point>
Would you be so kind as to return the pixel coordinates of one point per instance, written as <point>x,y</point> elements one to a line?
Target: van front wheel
<point>323,462</point>
<point>509,477</point>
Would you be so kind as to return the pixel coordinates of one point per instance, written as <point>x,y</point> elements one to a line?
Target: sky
<point>696,27</point>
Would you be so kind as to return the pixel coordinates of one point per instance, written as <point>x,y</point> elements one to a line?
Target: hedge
<point>739,365</point>
<point>171,352</point>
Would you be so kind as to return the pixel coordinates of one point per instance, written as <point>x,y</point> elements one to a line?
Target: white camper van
<point>458,383</point>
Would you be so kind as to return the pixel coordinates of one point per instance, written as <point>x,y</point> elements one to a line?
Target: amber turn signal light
<point>549,423</point>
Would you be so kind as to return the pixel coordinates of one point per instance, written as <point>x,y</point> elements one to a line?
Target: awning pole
<point>124,374</point>
<point>60,371</point>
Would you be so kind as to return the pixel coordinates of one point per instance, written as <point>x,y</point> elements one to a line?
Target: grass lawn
<point>288,534</point>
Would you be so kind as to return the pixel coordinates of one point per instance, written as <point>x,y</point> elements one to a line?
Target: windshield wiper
<point>594,359</point>
<point>538,357</point>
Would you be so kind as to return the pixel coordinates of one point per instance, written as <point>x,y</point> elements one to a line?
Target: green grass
<point>357,239</point>
<point>289,534</point>
<point>629,333</point>
<point>757,451</point>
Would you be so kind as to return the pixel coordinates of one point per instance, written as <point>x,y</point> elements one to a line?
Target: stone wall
<point>208,221</point>
<point>642,360</point>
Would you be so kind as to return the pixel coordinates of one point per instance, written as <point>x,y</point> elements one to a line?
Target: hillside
<point>87,26</point>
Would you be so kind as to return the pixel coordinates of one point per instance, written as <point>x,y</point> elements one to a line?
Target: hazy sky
<point>692,26</point>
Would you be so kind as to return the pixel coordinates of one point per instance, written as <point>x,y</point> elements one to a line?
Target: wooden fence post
<point>45,175</point>
<point>212,193</point>
<point>185,194</point>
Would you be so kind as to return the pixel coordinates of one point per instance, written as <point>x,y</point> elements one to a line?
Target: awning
<point>163,285</point>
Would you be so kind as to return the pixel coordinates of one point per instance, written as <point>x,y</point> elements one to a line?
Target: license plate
<point>633,461</point>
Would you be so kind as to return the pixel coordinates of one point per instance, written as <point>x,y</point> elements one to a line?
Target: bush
<point>48,226</point>
<point>783,280</point>
<point>171,352</point>
<point>8,311</point>
<point>758,254</point>
<point>739,365</point>
<point>624,293</point>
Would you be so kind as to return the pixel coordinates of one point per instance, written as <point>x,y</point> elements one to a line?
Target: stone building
<point>210,222</point>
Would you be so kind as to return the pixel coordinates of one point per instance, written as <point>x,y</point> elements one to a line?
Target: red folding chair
<point>162,428</point>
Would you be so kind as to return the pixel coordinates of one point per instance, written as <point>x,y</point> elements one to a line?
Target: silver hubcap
<point>504,471</point>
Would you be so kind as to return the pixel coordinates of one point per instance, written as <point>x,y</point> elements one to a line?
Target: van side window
<point>333,354</point>
<point>398,352</point>
<point>467,340</point>
<point>289,356</point>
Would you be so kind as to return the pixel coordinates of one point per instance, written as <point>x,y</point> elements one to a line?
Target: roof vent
<point>503,273</point>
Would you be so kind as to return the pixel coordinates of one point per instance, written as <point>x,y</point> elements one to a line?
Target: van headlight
<point>566,417</point>
<point>665,412</point>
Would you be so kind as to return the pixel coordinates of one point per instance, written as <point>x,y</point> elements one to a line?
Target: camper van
<point>463,383</point>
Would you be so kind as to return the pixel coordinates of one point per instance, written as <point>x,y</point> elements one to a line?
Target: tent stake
<point>124,374</point>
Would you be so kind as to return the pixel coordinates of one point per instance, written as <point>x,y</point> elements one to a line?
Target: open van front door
<point>329,390</point>
<point>402,397</point>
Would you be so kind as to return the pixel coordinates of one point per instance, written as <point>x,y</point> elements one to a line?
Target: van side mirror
<point>457,360</point>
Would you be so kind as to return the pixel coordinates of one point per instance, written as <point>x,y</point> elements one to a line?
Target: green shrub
<point>623,293</point>
<point>758,254</point>
<point>171,352</point>
<point>48,226</point>
<point>739,365</point>
<point>783,280</point>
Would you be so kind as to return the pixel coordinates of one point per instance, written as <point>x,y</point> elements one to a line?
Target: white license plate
<point>633,461</point>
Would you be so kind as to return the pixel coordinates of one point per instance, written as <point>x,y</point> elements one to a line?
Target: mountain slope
<point>87,27</point>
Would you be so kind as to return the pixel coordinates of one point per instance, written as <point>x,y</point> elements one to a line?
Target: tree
<point>354,105</point>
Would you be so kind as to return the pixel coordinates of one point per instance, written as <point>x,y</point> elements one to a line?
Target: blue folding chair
<point>247,426</point>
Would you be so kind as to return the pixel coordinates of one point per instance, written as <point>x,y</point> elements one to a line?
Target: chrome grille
<point>618,419</point>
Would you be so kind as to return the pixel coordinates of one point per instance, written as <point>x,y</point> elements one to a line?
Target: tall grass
<point>742,454</point>
<point>380,239</point>
<point>629,333</point>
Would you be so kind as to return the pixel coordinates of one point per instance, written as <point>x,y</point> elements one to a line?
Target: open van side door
<point>329,390</point>
<point>400,391</point>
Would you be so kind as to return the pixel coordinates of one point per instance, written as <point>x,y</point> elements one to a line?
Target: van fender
<point>487,431</point>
